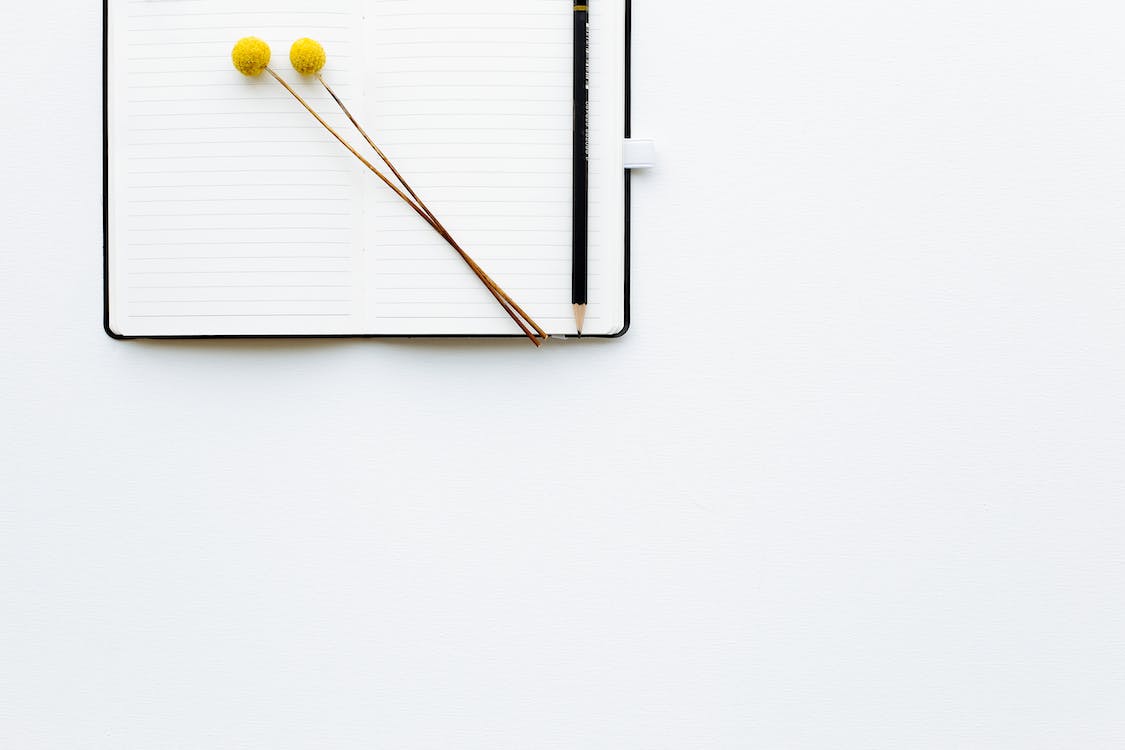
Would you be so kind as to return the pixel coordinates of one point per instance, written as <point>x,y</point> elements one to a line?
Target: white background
<point>853,480</point>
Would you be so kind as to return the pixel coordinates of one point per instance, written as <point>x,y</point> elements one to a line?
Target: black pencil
<point>581,162</point>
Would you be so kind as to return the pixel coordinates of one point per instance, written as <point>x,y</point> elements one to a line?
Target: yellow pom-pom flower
<point>307,56</point>
<point>250,56</point>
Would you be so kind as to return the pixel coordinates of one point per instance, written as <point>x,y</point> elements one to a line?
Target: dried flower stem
<point>434,219</point>
<point>510,307</point>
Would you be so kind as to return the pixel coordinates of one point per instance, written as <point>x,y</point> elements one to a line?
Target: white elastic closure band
<point>639,154</point>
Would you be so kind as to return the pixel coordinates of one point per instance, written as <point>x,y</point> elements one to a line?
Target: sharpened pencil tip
<point>579,317</point>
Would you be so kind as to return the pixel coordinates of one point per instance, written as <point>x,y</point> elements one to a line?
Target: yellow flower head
<point>251,56</point>
<point>307,56</point>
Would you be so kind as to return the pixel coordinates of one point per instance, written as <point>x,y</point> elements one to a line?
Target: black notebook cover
<point>105,214</point>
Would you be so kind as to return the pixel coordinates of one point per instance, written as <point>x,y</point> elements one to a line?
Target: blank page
<point>231,211</point>
<point>473,104</point>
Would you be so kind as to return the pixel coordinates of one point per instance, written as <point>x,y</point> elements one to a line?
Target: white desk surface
<point>854,479</point>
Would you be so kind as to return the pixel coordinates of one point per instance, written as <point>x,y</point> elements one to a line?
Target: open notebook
<point>230,212</point>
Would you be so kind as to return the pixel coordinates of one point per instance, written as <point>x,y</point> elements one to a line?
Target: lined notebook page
<point>232,211</point>
<point>473,103</point>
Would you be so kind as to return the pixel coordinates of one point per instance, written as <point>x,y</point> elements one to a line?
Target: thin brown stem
<point>366,137</point>
<point>435,221</point>
<point>493,288</point>
<point>346,145</point>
